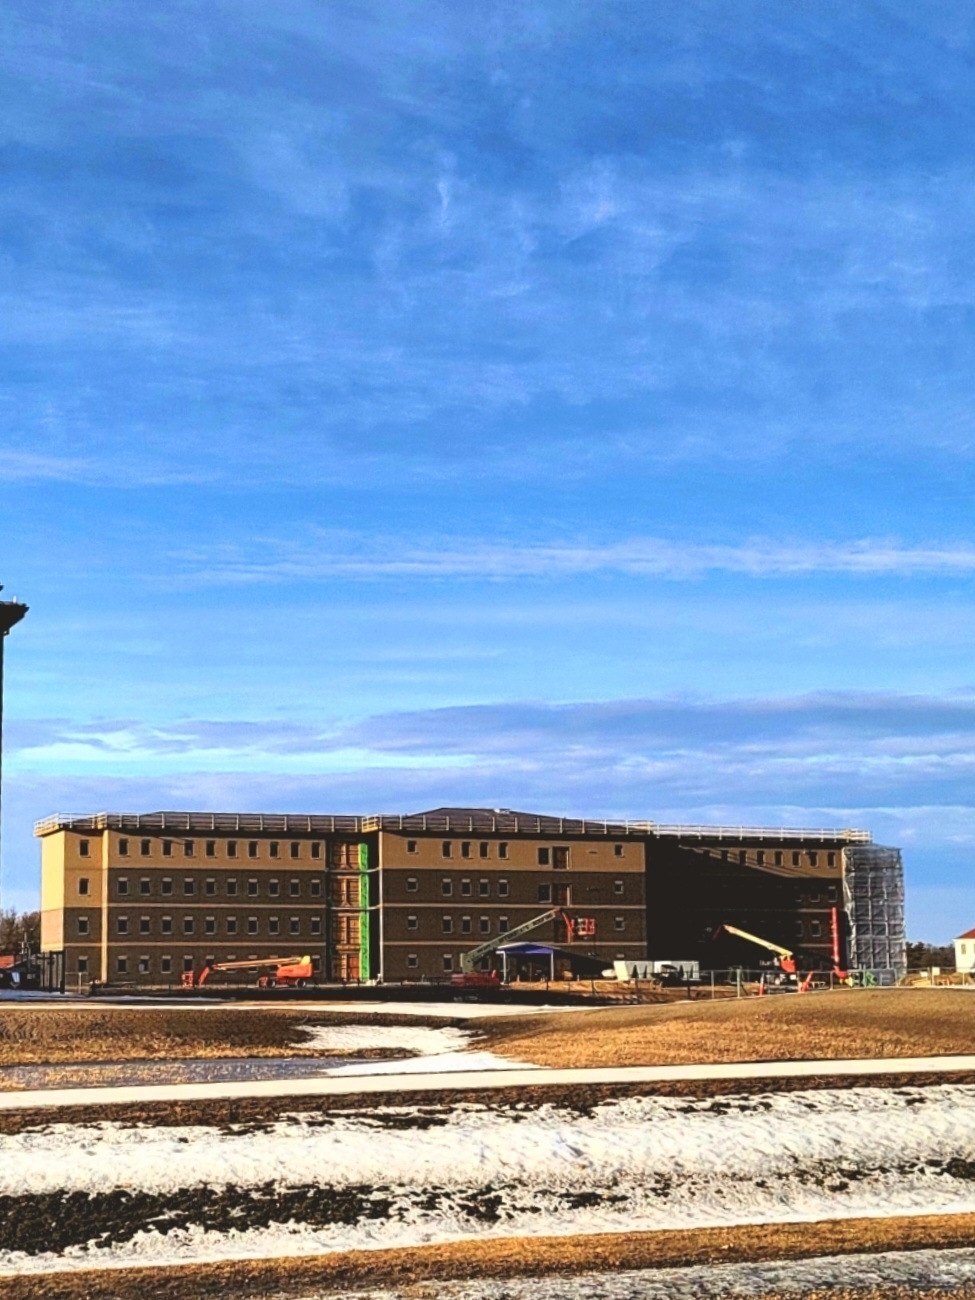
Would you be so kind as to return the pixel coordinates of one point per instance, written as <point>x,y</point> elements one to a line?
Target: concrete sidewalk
<point>348,1083</point>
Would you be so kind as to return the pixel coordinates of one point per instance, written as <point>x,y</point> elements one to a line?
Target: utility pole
<point>11,612</point>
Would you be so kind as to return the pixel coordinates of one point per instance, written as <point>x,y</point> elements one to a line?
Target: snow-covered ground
<point>405,1176</point>
<point>915,1269</point>
<point>436,1049</point>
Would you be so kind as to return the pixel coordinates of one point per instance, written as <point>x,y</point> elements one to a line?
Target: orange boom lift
<point>289,972</point>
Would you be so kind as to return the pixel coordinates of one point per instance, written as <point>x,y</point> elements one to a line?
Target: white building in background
<point>965,951</point>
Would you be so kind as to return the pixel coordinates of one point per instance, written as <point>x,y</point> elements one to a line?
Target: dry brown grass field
<point>816,1026</point>
<point>421,1271</point>
<point>41,1035</point>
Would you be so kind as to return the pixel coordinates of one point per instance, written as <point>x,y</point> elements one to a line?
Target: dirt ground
<point>842,1024</point>
<point>352,1271</point>
<point>42,1035</point>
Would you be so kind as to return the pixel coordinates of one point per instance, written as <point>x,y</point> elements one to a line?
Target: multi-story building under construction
<point>143,897</point>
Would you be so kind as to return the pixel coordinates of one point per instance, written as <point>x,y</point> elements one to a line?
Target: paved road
<point>456,1080</point>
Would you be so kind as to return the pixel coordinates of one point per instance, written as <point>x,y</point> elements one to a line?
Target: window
<point>273,925</point>
<point>760,857</point>
<point>465,925</point>
<point>187,925</point>
<point>252,925</point>
<point>294,925</point>
<point>544,857</point>
<point>484,849</point>
<point>411,846</point>
<point>165,965</point>
<point>231,888</point>
<point>122,885</point>
<point>211,848</point>
<point>619,922</point>
<point>446,848</point>
<point>795,857</point>
<point>502,889</point>
<point>799,930</point>
<point>411,923</point>
<point>145,847</point>
<point>814,896</point>
<point>189,885</point>
<point>210,887</point>
<point>123,848</point>
<point>448,962</point>
<point>274,849</point>
<point>145,886</point>
<point>316,888</point>
<point>465,889</point>
<point>122,924</point>
<point>815,929</point>
<point>210,925</point>
<point>831,894</point>
<point>82,965</point>
<point>189,848</point>
<point>273,888</point>
<point>502,849</point>
<point>231,925</point>
<point>316,850</point>
<point>166,925</point>
<point>446,887</point>
<point>813,858</point>
<point>82,925</point>
<point>560,858</point>
<point>484,925</point>
<point>545,893</point>
<point>295,849</point>
<point>778,857</point>
<point>502,925</point>
<point>316,925</point>
<point>167,848</point>
<point>143,925</point>
<point>724,855</point>
<point>465,849</point>
<point>252,848</point>
<point>122,965</point>
<point>831,859</point>
<point>231,848</point>
<point>84,848</point>
<point>617,886</point>
<point>484,888</point>
<point>411,884</point>
<point>743,856</point>
<point>252,888</point>
<point>447,924</point>
<point>143,965</point>
<point>188,962</point>
<point>412,961</point>
<point>294,888</point>
<point>167,885</point>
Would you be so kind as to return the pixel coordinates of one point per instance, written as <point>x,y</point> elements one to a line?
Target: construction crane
<point>289,972</point>
<point>786,958</point>
<point>576,927</point>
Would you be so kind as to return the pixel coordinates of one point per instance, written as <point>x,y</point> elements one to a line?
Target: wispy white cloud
<point>349,556</point>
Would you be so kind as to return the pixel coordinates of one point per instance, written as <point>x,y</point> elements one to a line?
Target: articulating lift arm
<point>786,957</point>
<point>469,960</point>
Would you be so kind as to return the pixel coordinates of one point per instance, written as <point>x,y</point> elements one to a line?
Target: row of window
<point>188,848</point>
<point>273,925</point>
<point>143,964</point>
<point>484,924</point>
<point>547,856</point>
<point>466,889</point>
<point>167,886</point>
<point>778,857</point>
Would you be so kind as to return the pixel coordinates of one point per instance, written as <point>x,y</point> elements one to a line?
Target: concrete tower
<point>11,612</point>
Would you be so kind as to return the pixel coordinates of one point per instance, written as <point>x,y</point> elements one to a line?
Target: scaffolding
<point>873,886</point>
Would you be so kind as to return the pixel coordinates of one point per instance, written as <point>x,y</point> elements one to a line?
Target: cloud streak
<point>354,557</point>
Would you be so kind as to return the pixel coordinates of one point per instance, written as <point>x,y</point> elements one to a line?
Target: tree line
<point>19,930</point>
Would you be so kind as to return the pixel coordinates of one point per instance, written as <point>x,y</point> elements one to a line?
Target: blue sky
<point>556,405</point>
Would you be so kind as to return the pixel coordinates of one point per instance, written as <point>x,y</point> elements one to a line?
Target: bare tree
<point>19,930</point>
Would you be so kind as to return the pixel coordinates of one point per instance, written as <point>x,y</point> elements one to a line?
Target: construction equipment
<point>289,972</point>
<point>575,927</point>
<point>786,958</point>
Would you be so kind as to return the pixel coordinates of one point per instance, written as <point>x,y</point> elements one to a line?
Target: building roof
<point>969,934</point>
<point>437,821</point>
